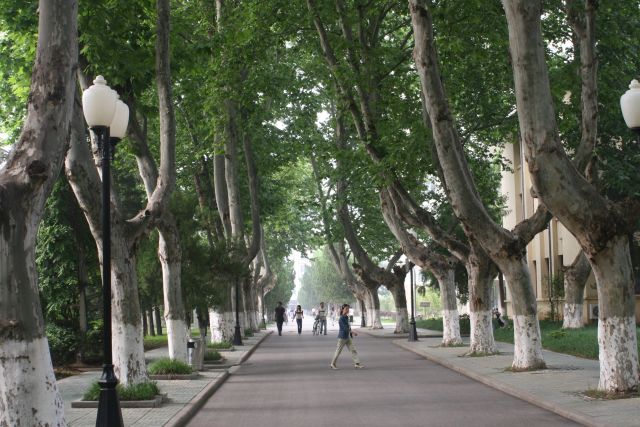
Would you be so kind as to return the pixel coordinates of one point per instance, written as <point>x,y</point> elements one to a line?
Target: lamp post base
<point>109,413</point>
<point>413,332</point>
<point>237,336</point>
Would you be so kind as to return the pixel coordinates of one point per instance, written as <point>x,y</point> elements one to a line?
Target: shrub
<point>166,366</point>
<point>63,344</point>
<point>141,391</point>
<point>248,332</point>
<point>212,355</point>
<point>223,345</point>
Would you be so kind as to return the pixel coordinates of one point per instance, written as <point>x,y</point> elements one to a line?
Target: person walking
<point>299,316</point>
<point>322,317</point>
<point>344,338</point>
<point>280,313</point>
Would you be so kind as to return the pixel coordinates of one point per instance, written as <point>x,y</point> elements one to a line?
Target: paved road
<point>287,383</point>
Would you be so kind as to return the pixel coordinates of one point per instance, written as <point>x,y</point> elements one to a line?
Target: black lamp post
<point>264,322</point>
<point>237,336</point>
<point>630,106</point>
<point>106,114</point>
<point>413,332</point>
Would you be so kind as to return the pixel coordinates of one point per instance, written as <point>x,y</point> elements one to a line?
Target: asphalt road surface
<point>287,383</point>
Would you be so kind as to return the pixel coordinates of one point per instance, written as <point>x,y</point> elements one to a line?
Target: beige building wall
<point>549,250</point>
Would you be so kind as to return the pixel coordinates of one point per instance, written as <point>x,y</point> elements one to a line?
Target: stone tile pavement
<point>185,396</point>
<point>559,388</point>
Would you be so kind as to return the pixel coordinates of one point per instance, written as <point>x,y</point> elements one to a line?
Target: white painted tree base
<point>215,326</point>
<point>128,353</point>
<point>451,328</point>
<point>572,316</point>
<point>402,321</point>
<point>29,393</point>
<point>177,339</point>
<point>376,323</point>
<point>229,325</point>
<point>617,343</point>
<point>482,341</point>
<point>527,354</point>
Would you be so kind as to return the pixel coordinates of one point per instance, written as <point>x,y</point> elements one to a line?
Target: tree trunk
<point>617,339</point>
<point>28,391</point>
<point>375,322</point>
<point>363,313</point>
<point>527,353</point>
<point>481,272</point>
<point>503,246</point>
<point>450,316</point>
<point>600,226</point>
<point>575,279</point>
<point>145,325</point>
<point>402,314</point>
<point>158,319</point>
<point>169,240</point>
<point>216,326</point>
<point>174,315</point>
<point>152,326</point>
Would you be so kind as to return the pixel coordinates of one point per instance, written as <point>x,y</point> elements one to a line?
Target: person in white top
<point>322,317</point>
<point>299,316</point>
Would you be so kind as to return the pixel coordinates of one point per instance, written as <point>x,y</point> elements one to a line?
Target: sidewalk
<point>185,396</point>
<point>558,388</point>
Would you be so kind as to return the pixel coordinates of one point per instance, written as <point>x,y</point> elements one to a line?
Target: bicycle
<point>316,326</point>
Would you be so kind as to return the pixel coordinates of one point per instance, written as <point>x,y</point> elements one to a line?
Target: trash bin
<point>195,353</point>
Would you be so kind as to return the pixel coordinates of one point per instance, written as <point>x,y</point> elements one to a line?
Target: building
<point>549,250</point>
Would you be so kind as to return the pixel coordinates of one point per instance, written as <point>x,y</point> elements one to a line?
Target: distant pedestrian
<point>322,318</point>
<point>299,316</point>
<point>280,315</point>
<point>344,338</point>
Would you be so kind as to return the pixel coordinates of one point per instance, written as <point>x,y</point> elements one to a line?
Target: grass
<point>141,391</point>
<point>581,342</point>
<point>212,355</point>
<point>222,345</point>
<point>157,341</point>
<point>166,366</point>
<point>436,325</point>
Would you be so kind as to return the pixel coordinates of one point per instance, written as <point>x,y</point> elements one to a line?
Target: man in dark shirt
<point>280,317</point>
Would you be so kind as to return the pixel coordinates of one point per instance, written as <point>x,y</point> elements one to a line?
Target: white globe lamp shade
<point>630,105</point>
<point>99,103</point>
<point>118,127</point>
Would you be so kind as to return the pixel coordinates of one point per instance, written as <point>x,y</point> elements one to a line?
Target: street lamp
<point>264,321</point>
<point>630,106</point>
<point>413,333</point>
<point>237,336</point>
<point>107,117</point>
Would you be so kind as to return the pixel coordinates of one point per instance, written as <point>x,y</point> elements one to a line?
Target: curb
<point>520,394</point>
<point>182,417</point>
<point>252,349</point>
<point>395,337</point>
<point>189,410</point>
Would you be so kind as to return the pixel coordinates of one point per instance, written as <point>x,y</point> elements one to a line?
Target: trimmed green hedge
<point>166,366</point>
<point>141,391</point>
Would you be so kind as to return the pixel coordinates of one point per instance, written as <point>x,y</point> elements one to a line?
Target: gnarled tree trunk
<point>600,226</point>
<point>28,391</point>
<point>575,279</point>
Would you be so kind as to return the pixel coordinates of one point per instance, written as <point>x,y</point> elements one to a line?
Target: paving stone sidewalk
<point>185,396</point>
<point>558,388</point>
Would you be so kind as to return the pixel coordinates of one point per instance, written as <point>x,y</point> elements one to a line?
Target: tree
<point>601,226</point>
<point>28,391</point>
<point>321,282</point>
